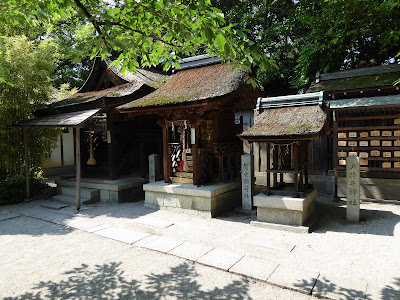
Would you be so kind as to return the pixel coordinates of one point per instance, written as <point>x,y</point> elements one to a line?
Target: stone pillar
<point>247,181</point>
<point>353,188</point>
<point>154,168</point>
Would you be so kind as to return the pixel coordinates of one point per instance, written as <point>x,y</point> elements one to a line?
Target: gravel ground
<point>44,260</point>
<point>41,260</point>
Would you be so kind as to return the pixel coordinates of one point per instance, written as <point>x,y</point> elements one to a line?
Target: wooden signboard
<point>353,153</point>
<point>387,154</point>
<point>342,154</point>
<point>396,153</point>
<point>342,143</point>
<point>397,143</point>
<point>352,144</point>
<point>396,133</point>
<point>387,143</point>
<point>375,133</point>
<point>363,162</point>
<point>386,165</point>
<point>375,153</point>
<point>364,134</point>
<point>363,154</point>
<point>342,135</point>
<point>342,162</point>
<point>375,143</point>
<point>386,133</point>
<point>352,134</point>
<point>397,121</point>
<point>397,164</point>
<point>364,143</point>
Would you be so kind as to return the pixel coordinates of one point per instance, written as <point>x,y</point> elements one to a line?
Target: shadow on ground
<point>108,281</point>
<point>376,222</point>
<point>324,287</point>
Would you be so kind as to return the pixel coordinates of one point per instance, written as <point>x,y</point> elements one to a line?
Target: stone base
<point>373,188</point>
<point>210,200</point>
<point>285,210</point>
<point>120,190</point>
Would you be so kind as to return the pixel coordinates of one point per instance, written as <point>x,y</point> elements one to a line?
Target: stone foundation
<point>208,201</point>
<point>373,188</point>
<point>285,210</point>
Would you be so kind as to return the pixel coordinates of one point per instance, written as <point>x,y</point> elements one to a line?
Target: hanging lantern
<point>91,161</point>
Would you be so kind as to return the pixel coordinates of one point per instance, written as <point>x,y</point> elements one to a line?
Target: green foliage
<point>306,36</point>
<point>65,91</point>
<point>29,66</point>
<point>145,32</point>
<point>13,187</point>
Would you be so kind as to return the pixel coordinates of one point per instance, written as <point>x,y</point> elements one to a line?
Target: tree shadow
<point>324,287</point>
<point>108,281</point>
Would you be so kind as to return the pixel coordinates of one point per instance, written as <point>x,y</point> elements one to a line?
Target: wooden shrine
<point>284,126</point>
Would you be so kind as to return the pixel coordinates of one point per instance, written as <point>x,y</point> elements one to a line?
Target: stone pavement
<point>339,260</point>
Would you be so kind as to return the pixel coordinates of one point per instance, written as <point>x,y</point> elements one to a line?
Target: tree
<point>30,65</point>
<point>146,32</point>
<point>307,36</point>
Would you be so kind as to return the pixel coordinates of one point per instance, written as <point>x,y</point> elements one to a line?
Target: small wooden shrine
<point>196,111</point>
<point>365,114</point>
<point>284,126</point>
<point>103,150</point>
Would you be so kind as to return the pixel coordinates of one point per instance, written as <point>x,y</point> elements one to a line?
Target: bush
<point>13,187</point>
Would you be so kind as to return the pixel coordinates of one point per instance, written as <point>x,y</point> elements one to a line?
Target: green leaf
<point>209,34</point>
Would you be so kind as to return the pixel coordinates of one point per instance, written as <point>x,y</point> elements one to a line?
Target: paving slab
<point>387,290</point>
<point>269,243</point>
<point>153,222</point>
<point>191,251</point>
<point>295,278</point>
<point>159,243</point>
<point>220,258</point>
<point>124,235</point>
<point>95,228</point>
<point>54,205</point>
<point>254,267</point>
<point>8,215</point>
<point>340,287</point>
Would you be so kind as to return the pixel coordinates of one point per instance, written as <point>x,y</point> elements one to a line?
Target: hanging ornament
<point>91,161</point>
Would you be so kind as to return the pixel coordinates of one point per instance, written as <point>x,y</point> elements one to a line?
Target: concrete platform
<point>182,197</point>
<point>285,210</point>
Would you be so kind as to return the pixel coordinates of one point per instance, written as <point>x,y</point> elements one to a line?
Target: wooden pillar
<point>275,163</point>
<point>28,187</point>
<point>256,153</point>
<point>166,157</point>
<point>268,167</point>
<point>307,164</point>
<point>78,168</point>
<point>142,158</point>
<point>196,157</point>
<point>112,150</point>
<point>302,165</point>
<point>335,155</point>
<point>263,156</point>
<point>296,166</point>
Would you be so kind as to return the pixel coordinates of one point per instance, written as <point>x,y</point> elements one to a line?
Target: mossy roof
<point>114,92</point>
<point>376,80</point>
<point>192,85</point>
<point>288,121</point>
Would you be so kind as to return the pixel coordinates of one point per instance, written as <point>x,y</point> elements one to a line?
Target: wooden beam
<point>28,188</point>
<point>335,154</point>
<point>78,168</point>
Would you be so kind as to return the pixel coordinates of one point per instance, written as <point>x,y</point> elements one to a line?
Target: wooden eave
<point>278,139</point>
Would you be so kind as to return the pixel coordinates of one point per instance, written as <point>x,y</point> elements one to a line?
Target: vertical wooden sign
<point>353,188</point>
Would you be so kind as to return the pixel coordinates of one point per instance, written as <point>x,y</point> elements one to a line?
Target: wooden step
<point>183,174</point>
<point>181,180</point>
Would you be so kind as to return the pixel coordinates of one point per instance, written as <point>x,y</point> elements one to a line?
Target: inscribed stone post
<point>353,188</point>
<point>154,168</point>
<point>247,181</point>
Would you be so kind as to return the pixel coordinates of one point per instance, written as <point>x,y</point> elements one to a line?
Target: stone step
<point>72,199</point>
<point>85,192</point>
<point>181,180</point>
<point>111,185</point>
